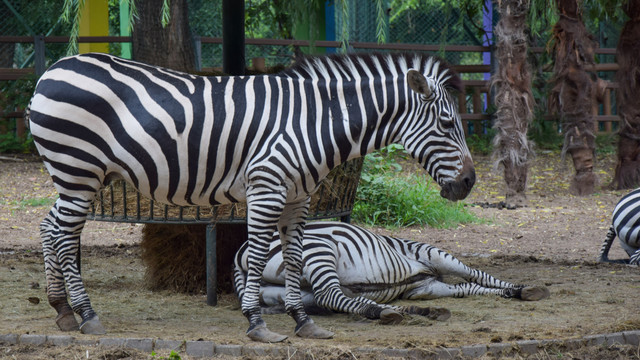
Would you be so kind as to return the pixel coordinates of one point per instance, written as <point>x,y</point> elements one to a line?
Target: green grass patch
<point>388,197</point>
<point>33,202</point>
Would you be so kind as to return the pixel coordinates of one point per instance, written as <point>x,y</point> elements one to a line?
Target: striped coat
<point>267,140</point>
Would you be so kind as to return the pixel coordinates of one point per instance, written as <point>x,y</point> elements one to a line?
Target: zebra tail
<point>606,245</point>
<point>239,280</point>
<point>27,113</point>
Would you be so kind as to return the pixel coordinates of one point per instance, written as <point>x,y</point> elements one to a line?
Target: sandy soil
<point>553,241</point>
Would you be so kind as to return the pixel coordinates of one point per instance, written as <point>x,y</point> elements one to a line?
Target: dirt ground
<point>553,241</point>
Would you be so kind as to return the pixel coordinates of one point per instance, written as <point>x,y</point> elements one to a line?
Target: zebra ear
<point>418,83</point>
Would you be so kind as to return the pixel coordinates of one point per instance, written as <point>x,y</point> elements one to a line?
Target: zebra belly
<point>149,170</point>
<point>386,292</point>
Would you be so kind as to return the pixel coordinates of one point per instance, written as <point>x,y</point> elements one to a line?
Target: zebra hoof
<point>92,326</point>
<point>309,330</point>
<point>67,322</point>
<point>262,334</point>
<point>390,317</point>
<point>534,293</point>
<point>439,314</point>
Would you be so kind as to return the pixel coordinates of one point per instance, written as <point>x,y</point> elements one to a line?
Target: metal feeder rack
<point>118,202</point>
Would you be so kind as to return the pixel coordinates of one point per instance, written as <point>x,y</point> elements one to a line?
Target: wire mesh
<point>420,22</point>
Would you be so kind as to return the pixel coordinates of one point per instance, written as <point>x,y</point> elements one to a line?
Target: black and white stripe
<point>267,140</point>
<point>625,224</point>
<point>349,269</point>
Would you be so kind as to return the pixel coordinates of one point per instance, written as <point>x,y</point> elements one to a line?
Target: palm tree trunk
<point>573,92</point>
<point>513,98</point>
<point>628,77</point>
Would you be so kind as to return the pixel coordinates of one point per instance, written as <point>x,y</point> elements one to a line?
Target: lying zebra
<point>626,225</point>
<point>352,270</point>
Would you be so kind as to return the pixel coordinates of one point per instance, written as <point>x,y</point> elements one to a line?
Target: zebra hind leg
<point>56,293</point>
<point>291,228</point>
<point>61,240</point>
<point>635,258</point>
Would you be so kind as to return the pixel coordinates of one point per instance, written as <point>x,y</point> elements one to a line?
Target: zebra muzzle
<point>459,188</point>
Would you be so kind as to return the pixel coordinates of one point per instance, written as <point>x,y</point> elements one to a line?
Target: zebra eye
<point>447,122</point>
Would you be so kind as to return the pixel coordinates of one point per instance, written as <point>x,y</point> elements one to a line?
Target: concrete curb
<point>210,349</point>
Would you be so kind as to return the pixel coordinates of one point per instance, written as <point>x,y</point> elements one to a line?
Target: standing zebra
<point>267,140</point>
<point>349,269</point>
<point>626,225</point>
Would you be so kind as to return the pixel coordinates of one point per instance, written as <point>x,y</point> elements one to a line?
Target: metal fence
<point>454,34</point>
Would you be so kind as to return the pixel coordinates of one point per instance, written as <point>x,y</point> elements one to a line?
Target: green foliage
<point>481,144</point>
<point>172,356</point>
<point>390,198</point>
<point>11,144</point>
<point>606,144</point>
<point>16,96</point>
<point>545,134</point>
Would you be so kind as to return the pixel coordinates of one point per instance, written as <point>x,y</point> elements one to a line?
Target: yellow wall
<point>94,21</point>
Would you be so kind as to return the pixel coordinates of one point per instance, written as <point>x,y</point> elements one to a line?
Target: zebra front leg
<point>67,221</point>
<point>330,296</point>
<point>291,228</point>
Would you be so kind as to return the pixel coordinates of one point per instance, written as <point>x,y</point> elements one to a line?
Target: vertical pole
<point>233,62</point>
<point>197,44</point>
<point>125,26</point>
<point>487,22</point>
<point>330,24</point>
<point>487,57</point>
<point>38,43</point>
<point>212,266</point>
<point>94,22</point>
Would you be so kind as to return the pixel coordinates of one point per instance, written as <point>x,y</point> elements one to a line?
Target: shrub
<point>390,198</point>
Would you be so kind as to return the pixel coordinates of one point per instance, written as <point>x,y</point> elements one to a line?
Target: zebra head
<point>435,136</point>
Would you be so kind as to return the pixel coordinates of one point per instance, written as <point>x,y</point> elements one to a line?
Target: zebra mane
<point>315,66</point>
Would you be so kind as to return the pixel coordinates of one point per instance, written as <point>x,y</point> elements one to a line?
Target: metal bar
<point>113,211</point>
<point>39,50</point>
<point>233,62</point>
<point>138,215</point>
<point>197,44</point>
<point>124,199</point>
<point>212,266</point>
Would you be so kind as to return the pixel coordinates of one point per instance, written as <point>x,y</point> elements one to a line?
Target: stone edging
<point>209,348</point>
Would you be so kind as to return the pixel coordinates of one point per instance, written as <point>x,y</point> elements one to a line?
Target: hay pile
<point>174,255</point>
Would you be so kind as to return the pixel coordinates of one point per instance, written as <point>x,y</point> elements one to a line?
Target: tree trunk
<point>627,173</point>
<point>171,46</point>
<point>573,92</point>
<point>513,98</point>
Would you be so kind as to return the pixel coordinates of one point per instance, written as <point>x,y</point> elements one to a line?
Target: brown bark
<point>170,46</point>
<point>574,92</point>
<point>513,98</point>
<point>627,174</point>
